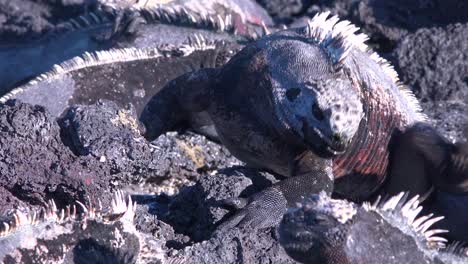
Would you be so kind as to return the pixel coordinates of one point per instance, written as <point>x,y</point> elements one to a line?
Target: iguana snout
<point>310,95</point>
<point>335,115</point>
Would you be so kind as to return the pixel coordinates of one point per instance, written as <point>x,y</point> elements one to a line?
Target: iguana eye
<point>293,93</point>
<point>317,112</point>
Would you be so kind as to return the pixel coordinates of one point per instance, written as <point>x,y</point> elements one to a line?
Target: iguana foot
<point>262,210</point>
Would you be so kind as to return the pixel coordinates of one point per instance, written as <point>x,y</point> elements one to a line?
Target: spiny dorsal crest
<point>122,209</point>
<point>341,210</point>
<point>339,38</point>
<point>403,214</point>
<point>48,213</point>
<point>197,43</point>
<point>458,248</point>
<point>181,15</point>
<point>90,19</point>
<point>178,15</point>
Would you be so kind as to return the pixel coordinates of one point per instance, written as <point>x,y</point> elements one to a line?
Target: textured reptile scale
<point>364,165</point>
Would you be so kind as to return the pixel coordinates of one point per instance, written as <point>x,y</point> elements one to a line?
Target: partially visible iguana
<point>320,230</point>
<point>324,230</point>
<point>65,236</point>
<point>125,76</point>
<point>170,24</point>
<point>313,104</point>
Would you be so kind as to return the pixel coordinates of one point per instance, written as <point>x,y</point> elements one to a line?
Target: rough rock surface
<point>387,22</point>
<point>98,149</point>
<point>26,19</point>
<point>434,62</point>
<point>112,135</point>
<point>41,159</point>
<point>36,166</point>
<point>283,10</point>
<point>195,211</point>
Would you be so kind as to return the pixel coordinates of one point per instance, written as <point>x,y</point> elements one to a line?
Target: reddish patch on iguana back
<point>361,170</point>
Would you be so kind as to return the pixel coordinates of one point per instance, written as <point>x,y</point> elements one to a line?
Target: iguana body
<point>93,236</point>
<point>359,110</point>
<point>291,101</point>
<point>162,44</point>
<point>115,28</point>
<point>244,12</point>
<point>123,75</point>
<point>324,230</point>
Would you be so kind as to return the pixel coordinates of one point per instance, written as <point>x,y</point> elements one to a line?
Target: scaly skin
<point>312,104</point>
<point>291,103</point>
<point>119,28</point>
<point>63,236</point>
<point>142,64</point>
<point>324,230</point>
<point>122,75</point>
<point>244,12</point>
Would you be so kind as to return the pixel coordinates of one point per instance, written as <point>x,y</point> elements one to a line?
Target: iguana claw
<point>262,210</point>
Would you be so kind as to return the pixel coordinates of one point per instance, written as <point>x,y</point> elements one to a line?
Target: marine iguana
<point>324,230</point>
<point>96,235</point>
<point>312,102</point>
<point>127,75</point>
<point>244,12</point>
<point>115,28</point>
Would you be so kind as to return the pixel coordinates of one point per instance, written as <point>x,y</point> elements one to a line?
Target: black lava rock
<point>285,9</point>
<point>22,20</point>
<point>36,166</point>
<point>386,22</point>
<point>111,135</point>
<point>197,210</point>
<point>434,63</point>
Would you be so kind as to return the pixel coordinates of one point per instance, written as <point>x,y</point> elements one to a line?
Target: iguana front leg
<point>177,102</point>
<point>266,208</point>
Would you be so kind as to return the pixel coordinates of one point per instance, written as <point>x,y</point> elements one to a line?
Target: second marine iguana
<point>313,104</point>
<point>95,235</point>
<point>127,75</point>
<point>170,24</point>
<point>325,230</point>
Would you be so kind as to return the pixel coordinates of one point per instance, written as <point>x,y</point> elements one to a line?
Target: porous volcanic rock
<point>284,10</point>
<point>434,63</point>
<point>112,135</point>
<point>97,150</point>
<point>386,22</point>
<point>197,210</point>
<point>36,166</point>
<point>26,19</point>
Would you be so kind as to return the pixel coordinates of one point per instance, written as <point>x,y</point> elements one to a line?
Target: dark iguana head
<point>309,93</point>
<point>311,233</point>
<point>324,230</point>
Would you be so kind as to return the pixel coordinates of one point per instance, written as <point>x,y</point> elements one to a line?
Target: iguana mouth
<point>333,148</point>
<point>320,143</point>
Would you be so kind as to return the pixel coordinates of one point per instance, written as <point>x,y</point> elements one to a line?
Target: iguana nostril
<point>337,138</point>
<point>317,112</point>
<point>292,94</point>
